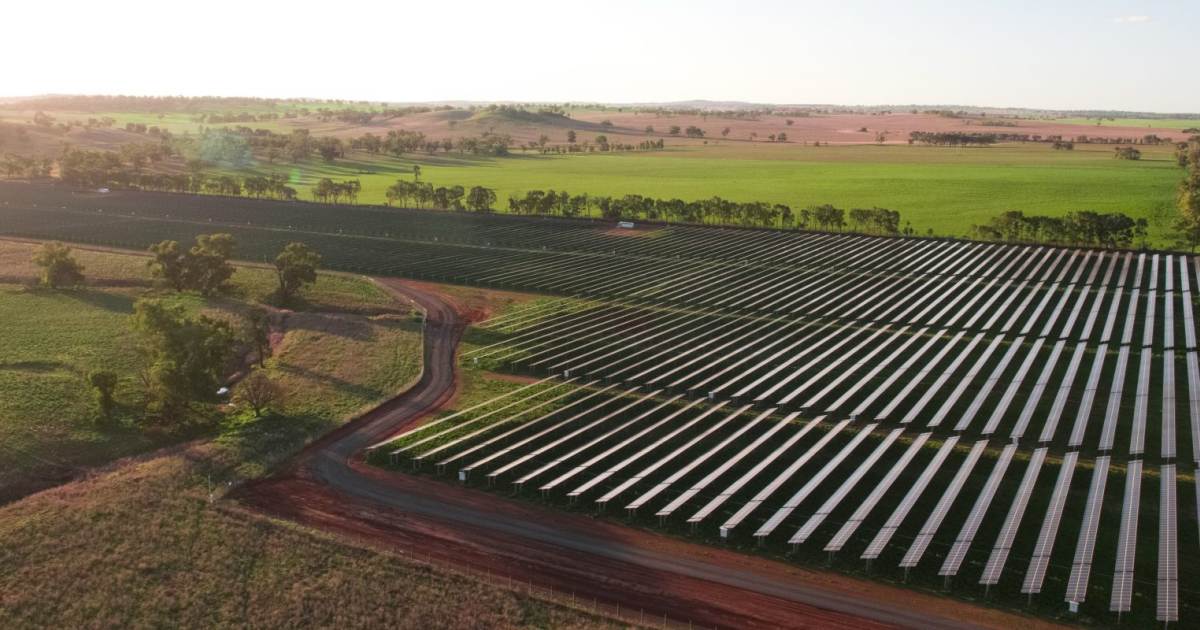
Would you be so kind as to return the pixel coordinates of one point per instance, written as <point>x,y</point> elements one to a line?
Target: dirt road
<point>328,486</point>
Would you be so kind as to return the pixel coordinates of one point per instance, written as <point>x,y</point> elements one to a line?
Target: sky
<point>1053,54</point>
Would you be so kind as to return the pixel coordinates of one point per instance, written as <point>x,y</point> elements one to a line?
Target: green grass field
<point>1153,123</point>
<point>48,425</point>
<point>944,190</point>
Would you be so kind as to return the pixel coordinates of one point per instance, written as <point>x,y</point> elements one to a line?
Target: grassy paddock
<point>940,189</point>
<point>48,423</point>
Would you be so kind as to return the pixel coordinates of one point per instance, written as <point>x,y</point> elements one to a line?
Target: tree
<point>207,264</point>
<point>105,384</point>
<point>480,199</point>
<point>186,356</point>
<point>59,267</point>
<point>295,266</point>
<point>259,392</point>
<point>257,333</point>
<point>571,136</point>
<point>1187,226</point>
<point>725,132</point>
<point>416,172</point>
<point>674,130</point>
<point>168,264</point>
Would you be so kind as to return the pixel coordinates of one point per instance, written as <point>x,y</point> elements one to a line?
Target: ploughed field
<point>1010,421</point>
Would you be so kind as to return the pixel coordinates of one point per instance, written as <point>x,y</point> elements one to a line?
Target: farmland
<point>996,420</point>
<point>941,190</point>
<point>946,191</point>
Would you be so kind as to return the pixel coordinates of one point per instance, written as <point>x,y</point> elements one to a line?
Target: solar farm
<point>1016,422</point>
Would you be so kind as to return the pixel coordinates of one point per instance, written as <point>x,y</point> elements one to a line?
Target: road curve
<point>336,483</point>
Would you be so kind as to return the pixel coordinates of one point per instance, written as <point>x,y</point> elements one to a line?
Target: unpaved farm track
<point>328,486</point>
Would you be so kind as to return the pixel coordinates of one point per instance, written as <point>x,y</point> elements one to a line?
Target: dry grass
<point>143,547</point>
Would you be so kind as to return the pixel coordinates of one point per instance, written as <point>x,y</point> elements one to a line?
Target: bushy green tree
<point>204,268</point>
<point>186,356</point>
<point>295,266</point>
<point>105,384</point>
<point>59,267</point>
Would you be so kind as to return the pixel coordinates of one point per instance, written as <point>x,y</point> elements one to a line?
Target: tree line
<point>707,211</point>
<point>1083,228</point>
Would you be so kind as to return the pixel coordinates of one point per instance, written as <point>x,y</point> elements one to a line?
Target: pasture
<point>48,427</point>
<point>942,190</point>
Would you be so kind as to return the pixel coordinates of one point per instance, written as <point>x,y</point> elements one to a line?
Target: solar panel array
<point>901,401</point>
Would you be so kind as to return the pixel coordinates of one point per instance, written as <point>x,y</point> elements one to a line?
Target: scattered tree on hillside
<point>186,356</point>
<point>295,267</point>
<point>725,132</point>
<point>258,392</point>
<point>59,267</point>
<point>104,384</point>
<point>674,130</point>
<point>649,129</point>
<point>416,172</point>
<point>571,136</point>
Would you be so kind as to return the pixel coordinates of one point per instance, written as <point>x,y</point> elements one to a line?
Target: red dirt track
<point>329,487</point>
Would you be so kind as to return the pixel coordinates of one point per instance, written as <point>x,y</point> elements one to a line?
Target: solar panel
<point>1004,541</point>
<point>1168,405</point>
<point>670,457</point>
<point>1034,397</point>
<point>694,463</point>
<point>1168,552</point>
<point>988,385</point>
<point>915,380</point>
<point>1141,404</point>
<point>966,381</point>
<point>781,478</point>
<point>848,528</point>
<point>852,480</point>
<point>1122,588</point>
<point>982,504</point>
<point>1060,399</point>
<point>933,388</point>
<point>1087,400</point>
<point>737,485</point>
<point>935,518</point>
<point>1116,389</point>
<point>884,535</point>
<point>634,440</point>
<point>1110,322</point>
<point>532,454</point>
<point>1035,575</point>
<point>1014,387</point>
<point>796,499</point>
<point>1085,545</point>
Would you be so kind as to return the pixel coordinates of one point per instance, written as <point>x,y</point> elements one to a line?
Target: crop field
<point>943,190</point>
<point>1010,421</point>
<point>1151,123</point>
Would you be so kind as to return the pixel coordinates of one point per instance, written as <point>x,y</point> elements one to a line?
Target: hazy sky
<point>1094,54</point>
